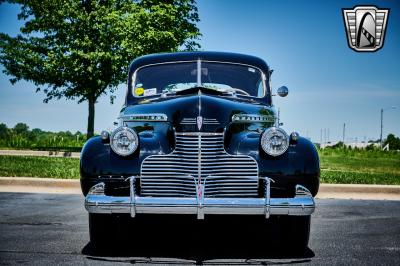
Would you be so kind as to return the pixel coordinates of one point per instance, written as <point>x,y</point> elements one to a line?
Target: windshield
<point>175,77</point>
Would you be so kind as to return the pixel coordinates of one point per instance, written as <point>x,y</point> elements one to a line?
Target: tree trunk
<point>90,125</point>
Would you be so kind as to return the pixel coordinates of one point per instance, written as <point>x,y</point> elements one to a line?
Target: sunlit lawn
<point>364,170</point>
<point>35,166</point>
<point>336,167</point>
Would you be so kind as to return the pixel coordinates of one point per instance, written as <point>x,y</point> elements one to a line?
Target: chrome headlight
<point>274,141</point>
<point>124,141</point>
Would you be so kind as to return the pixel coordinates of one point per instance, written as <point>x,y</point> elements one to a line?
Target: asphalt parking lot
<point>49,229</point>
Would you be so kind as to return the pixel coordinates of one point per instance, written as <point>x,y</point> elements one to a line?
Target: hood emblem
<point>199,122</point>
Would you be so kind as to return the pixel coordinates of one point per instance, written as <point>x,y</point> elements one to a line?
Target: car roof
<point>192,56</point>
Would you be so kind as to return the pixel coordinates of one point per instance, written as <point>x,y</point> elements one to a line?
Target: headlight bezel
<point>266,140</point>
<point>115,148</point>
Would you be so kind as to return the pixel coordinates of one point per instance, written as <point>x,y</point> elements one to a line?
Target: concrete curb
<point>63,154</point>
<point>40,182</point>
<point>359,188</point>
<point>75,184</point>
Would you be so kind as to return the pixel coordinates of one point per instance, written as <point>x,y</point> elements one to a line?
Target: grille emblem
<point>199,122</point>
<point>200,191</point>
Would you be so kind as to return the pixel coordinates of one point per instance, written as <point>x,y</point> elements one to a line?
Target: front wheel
<point>296,232</point>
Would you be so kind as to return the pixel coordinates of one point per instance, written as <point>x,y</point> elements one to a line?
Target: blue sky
<point>303,41</point>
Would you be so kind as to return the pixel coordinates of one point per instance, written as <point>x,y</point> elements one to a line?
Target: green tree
<point>82,49</point>
<point>21,129</point>
<point>3,131</point>
<point>393,141</point>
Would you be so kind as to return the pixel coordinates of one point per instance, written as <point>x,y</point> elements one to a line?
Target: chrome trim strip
<point>301,205</point>
<point>154,117</point>
<point>252,118</point>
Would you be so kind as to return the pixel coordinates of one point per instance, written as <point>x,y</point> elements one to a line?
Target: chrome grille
<point>199,158</point>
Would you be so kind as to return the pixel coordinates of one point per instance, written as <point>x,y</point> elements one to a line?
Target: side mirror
<point>283,91</point>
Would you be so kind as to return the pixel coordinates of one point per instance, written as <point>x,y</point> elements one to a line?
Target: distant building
<point>360,145</point>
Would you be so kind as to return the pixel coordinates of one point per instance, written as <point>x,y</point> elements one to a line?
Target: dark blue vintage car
<point>198,135</point>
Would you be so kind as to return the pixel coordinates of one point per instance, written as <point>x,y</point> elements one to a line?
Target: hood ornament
<point>199,121</point>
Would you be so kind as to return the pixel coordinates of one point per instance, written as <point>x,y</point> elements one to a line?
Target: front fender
<point>298,165</point>
<point>99,163</point>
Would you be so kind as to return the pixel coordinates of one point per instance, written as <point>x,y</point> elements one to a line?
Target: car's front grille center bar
<point>199,189</point>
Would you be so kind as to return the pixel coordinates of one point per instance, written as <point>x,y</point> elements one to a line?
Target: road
<point>49,229</point>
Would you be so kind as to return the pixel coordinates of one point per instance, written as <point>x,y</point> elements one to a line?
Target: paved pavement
<point>49,229</point>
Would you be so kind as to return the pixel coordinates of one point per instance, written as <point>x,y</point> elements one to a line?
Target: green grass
<point>35,166</point>
<point>354,167</point>
<point>360,168</point>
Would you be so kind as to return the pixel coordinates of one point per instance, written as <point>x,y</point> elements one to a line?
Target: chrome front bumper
<point>302,204</point>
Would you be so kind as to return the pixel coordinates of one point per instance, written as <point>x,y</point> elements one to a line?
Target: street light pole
<point>383,109</point>
<point>344,132</point>
<point>381,128</point>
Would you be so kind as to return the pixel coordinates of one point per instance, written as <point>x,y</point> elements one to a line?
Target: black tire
<point>296,232</point>
<point>101,229</point>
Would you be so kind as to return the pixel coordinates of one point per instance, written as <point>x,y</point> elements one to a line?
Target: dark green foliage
<point>3,131</point>
<point>21,129</point>
<point>393,141</point>
<point>20,137</point>
<point>82,49</point>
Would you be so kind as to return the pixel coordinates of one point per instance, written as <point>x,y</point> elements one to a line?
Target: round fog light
<point>105,135</point>
<point>294,136</point>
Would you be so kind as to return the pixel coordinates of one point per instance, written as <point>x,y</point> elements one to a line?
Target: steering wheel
<point>241,91</point>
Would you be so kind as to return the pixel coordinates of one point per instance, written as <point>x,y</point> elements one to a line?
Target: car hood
<point>183,111</point>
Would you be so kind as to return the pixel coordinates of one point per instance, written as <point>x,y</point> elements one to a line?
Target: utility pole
<point>344,132</point>
<point>328,135</point>
<point>321,137</point>
<point>382,109</point>
<point>381,128</point>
